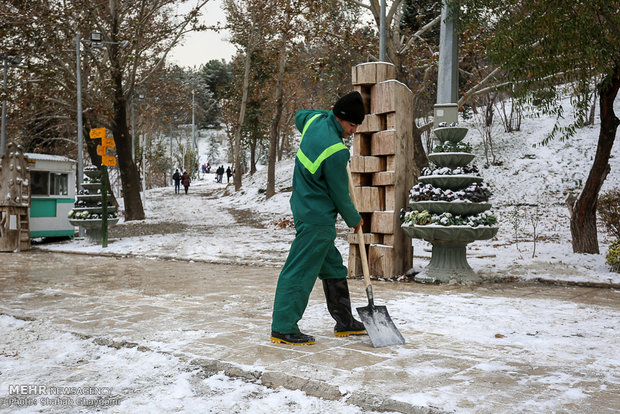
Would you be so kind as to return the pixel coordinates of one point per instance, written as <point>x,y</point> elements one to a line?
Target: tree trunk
<point>583,217</point>
<point>244,103</point>
<point>130,178</point>
<point>275,123</point>
<point>420,160</point>
<point>253,159</point>
<point>284,139</point>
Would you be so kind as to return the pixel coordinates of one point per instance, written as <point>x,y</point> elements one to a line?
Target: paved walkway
<point>218,316</point>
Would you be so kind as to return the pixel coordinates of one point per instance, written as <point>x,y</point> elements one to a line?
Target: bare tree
<point>248,23</point>
<point>137,35</point>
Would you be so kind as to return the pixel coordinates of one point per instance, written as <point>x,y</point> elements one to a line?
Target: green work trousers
<point>313,254</point>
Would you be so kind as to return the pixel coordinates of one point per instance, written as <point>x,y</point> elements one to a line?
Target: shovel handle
<point>360,238</point>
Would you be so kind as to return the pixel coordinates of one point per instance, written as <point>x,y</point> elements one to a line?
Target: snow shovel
<point>376,319</point>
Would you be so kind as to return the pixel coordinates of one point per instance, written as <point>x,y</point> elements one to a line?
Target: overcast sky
<point>199,48</point>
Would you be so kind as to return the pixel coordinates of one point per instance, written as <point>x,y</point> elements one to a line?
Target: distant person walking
<point>186,180</point>
<point>177,181</point>
<point>220,173</point>
<point>228,174</point>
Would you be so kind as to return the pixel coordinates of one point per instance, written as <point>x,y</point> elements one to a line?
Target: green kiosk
<point>52,186</point>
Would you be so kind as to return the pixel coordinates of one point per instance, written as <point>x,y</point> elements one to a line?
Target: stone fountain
<point>89,209</point>
<point>449,209</point>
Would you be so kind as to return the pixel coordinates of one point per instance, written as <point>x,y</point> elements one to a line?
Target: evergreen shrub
<point>613,256</point>
<point>609,211</point>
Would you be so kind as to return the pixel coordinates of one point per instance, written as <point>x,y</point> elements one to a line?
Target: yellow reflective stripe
<point>313,166</point>
<point>307,125</point>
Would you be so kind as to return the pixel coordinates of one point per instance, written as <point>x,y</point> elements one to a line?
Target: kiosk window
<point>39,182</point>
<point>59,184</point>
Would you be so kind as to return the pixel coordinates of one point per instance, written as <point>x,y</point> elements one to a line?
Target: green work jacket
<point>320,180</point>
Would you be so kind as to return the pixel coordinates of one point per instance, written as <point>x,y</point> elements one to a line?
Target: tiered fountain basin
<point>438,233</point>
<point>449,197</point>
<point>455,207</point>
<point>93,224</point>
<point>451,159</point>
<point>452,182</point>
<point>450,133</point>
<point>88,207</point>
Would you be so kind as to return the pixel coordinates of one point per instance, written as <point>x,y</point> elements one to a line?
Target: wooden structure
<point>14,200</point>
<point>381,170</point>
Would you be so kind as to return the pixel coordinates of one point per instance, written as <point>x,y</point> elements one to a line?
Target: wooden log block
<point>382,222</point>
<point>385,71</point>
<point>356,179</point>
<point>374,164</point>
<point>355,263</point>
<point>361,144</point>
<point>388,239</point>
<point>357,164</point>
<point>385,96</point>
<point>390,120</point>
<point>367,164</point>
<point>365,92</point>
<point>383,178</point>
<point>390,198</point>
<point>381,260</point>
<point>361,179</point>
<point>383,143</point>
<point>372,123</point>
<point>372,72</point>
<point>369,199</point>
<point>390,164</point>
<point>382,98</point>
<point>368,238</point>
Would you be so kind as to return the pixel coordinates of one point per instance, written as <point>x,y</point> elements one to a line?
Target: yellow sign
<point>101,150</point>
<point>109,161</point>
<point>97,133</point>
<point>107,142</point>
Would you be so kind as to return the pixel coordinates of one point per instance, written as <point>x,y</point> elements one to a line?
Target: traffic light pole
<point>104,206</point>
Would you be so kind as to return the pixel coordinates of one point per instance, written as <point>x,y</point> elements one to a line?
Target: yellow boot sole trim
<point>282,341</point>
<point>347,333</point>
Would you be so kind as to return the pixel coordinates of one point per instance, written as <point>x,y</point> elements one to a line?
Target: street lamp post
<point>7,61</point>
<point>133,128</point>
<point>382,32</point>
<point>193,125</point>
<point>446,109</point>
<point>80,132</point>
<point>171,159</point>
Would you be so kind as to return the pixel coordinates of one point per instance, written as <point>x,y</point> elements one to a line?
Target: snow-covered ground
<point>88,377</point>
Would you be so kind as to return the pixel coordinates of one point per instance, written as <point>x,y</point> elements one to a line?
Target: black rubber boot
<point>292,339</point>
<point>339,306</point>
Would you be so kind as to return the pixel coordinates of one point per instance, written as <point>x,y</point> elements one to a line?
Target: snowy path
<point>91,376</point>
<point>500,348</point>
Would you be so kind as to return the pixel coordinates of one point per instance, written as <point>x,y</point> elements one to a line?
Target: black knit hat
<point>350,108</point>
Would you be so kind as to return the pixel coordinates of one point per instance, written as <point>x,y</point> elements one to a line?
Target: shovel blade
<point>379,326</point>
